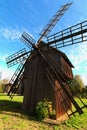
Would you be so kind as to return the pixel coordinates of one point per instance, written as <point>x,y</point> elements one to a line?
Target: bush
<point>44,109</point>
<point>2,84</point>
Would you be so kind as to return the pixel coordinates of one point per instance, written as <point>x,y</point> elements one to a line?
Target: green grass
<point>13,118</point>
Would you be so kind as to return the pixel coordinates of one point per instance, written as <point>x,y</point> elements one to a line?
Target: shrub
<point>44,109</point>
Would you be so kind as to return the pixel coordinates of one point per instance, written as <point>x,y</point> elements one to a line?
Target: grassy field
<point>12,118</point>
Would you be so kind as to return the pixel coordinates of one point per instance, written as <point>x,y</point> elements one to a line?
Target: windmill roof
<point>43,45</point>
<point>64,56</point>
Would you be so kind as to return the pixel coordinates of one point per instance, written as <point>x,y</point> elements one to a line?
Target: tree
<point>85,86</point>
<point>2,84</point>
<point>84,92</point>
<point>77,83</point>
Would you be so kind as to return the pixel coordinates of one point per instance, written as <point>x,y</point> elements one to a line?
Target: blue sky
<point>17,16</point>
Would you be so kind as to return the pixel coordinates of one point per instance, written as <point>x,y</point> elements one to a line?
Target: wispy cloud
<point>3,57</point>
<point>78,56</point>
<point>9,33</point>
<point>12,34</point>
<point>6,73</point>
<point>84,78</point>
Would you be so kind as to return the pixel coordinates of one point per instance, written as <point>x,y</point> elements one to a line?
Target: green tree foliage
<point>84,92</point>
<point>2,84</point>
<point>77,83</point>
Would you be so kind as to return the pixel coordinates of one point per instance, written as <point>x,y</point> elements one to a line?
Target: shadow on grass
<point>10,106</point>
<point>13,108</point>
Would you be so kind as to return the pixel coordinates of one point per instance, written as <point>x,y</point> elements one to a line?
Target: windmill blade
<point>63,98</point>
<point>56,69</point>
<point>21,55</point>
<point>16,79</point>
<point>57,73</point>
<point>28,40</point>
<point>47,29</point>
<point>64,101</point>
<point>72,35</point>
<point>18,57</point>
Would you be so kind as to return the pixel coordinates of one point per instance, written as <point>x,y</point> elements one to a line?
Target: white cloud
<point>84,78</point>
<point>3,57</point>
<point>13,34</point>
<point>78,56</point>
<point>10,33</point>
<point>6,73</point>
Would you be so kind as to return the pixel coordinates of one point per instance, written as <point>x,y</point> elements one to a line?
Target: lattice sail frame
<point>18,57</point>
<point>72,35</point>
<point>47,29</point>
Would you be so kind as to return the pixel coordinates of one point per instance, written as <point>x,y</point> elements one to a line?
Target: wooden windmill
<point>44,71</point>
